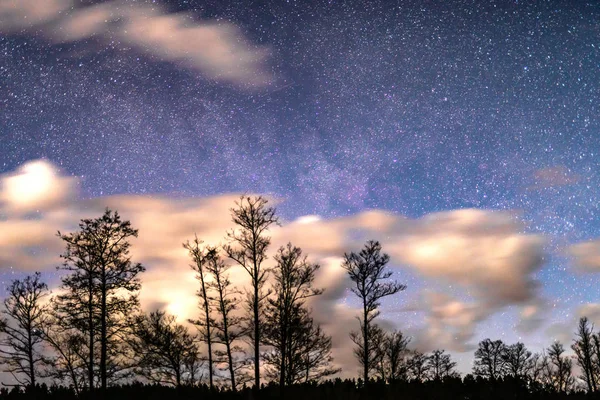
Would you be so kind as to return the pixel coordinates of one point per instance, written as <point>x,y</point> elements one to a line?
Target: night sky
<point>336,108</point>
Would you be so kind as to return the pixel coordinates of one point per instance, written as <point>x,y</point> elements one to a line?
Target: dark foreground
<point>451,388</point>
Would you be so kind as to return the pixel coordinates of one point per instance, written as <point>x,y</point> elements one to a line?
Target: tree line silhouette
<point>92,340</point>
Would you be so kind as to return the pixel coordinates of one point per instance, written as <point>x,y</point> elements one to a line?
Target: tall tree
<point>489,361</point>
<point>228,326</point>
<point>293,279</point>
<point>202,257</point>
<point>24,318</point>
<point>68,364</point>
<point>393,365</point>
<point>101,290</point>
<point>560,368</point>
<point>517,360</point>
<point>418,367</point>
<point>440,365</point>
<point>247,247</point>
<point>583,347</point>
<point>165,351</point>
<point>367,270</point>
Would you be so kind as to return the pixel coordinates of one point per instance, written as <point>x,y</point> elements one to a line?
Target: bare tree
<point>24,318</point>
<point>367,270</point>
<point>559,369</point>
<point>440,365</point>
<point>165,351</point>
<point>517,360</point>
<point>293,279</point>
<point>101,290</point>
<point>202,257</point>
<point>248,248</point>
<point>228,327</point>
<point>418,367</point>
<point>583,347</point>
<point>392,363</point>
<point>68,364</point>
<point>315,359</point>
<point>489,361</point>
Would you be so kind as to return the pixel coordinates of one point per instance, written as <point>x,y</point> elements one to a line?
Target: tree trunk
<point>103,334</point>
<point>30,358</point>
<point>365,344</point>
<point>256,336</point>
<point>91,335</point>
<point>208,336</point>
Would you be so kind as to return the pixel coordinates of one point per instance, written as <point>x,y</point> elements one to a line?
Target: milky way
<point>409,106</point>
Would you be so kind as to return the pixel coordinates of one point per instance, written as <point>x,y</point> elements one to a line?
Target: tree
<point>393,350</point>
<point>101,290</point>
<point>517,360</point>
<point>489,361</point>
<point>418,367</point>
<point>289,328</point>
<point>559,368</point>
<point>367,270</point>
<point>165,351</point>
<point>247,247</point>
<point>228,327</point>
<point>24,318</point>
<point>583,347</point>
<point>202,257</point>
<point>440,365</point>
<point>315,356</point>
<point>68,365</point>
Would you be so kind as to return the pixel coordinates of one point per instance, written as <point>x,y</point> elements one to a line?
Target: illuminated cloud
<point>586,255</point>
<point>218,50</point>
<point>485,253</point>
<point>36,186</point>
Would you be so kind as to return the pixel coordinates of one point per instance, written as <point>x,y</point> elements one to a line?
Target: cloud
<point>218,50</point>
<point>483,252</point>
<point>449,323</point>
<point>36,185</point>
<point>552,177</point>
<point>586,255</point>
<point>532,316</point>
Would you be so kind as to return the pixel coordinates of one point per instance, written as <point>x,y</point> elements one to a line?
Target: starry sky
<point>334,108</point>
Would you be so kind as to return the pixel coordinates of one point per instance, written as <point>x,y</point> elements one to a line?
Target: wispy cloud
<point>218,50</point>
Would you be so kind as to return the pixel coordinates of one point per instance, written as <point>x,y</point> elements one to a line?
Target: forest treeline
<point>92,340</point>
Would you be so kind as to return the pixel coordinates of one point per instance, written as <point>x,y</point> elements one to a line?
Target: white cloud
<point>218,50</point>
<point>484,251</point>
<point>36,185</point>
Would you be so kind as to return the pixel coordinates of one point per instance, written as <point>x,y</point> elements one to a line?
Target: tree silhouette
<point>247,247</point>
<point>367,270</point>
<point>24,319</point>
<point>392,361</point>
<point>583,346</point>
<point>101,290</point>
<point>165,351</point>
<point>68,363</point>
<point>489,361</point>
<point>301,350</point>
<point>228,327</point>
<point>202,257</point>
<point>440,365</point>
<point>559,368</point>
<point>517,360</point>
<point>418,367</point>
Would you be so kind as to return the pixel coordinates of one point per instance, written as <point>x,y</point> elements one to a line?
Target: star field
<point>408,106</point>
